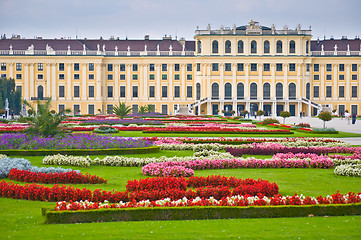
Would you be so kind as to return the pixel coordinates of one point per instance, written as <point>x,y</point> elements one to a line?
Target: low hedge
<point>79,152</point>
<point>198,213</point>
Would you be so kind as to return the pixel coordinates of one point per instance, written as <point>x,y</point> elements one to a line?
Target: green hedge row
<point>215,132</point>
<point>222,142</point>
<point>80,152</point>
<point>197,213</point>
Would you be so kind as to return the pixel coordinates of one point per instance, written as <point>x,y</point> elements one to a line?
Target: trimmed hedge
<point>198,213</point>
<point>80,152</point>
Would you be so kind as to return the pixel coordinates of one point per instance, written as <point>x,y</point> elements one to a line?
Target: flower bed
<point>350,170</point>
<point>214,130</point>
<point>125,121</point>
<point>62,177</point>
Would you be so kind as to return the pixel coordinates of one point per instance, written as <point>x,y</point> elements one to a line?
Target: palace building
<point>247,67</point>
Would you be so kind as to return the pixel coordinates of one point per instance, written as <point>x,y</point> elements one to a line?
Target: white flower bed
<point>348,170</point>
<point>67,160</point>
<point>2,156</point>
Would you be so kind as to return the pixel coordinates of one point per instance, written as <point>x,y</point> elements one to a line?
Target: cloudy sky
<point>135,18</point>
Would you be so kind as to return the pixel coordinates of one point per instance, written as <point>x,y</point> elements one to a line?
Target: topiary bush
<point>267,121</point>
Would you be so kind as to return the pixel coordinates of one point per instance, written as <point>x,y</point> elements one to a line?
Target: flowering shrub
<point>348,170</point>
<point>62,177</point>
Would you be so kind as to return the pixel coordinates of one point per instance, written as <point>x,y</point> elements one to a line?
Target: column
<point>299,85</point>
<point>299,108</point>
<point>209,86</point>
<point>145,79</point>
<point>11,70</point>
<point>359,82</point>
<point>335,86</point>
<point>158,68</point>
<point>170,80</point>
<point>84,92</point>
<point>348,84</point>
<point>128,86</point>
<point>53,81</point>
<point>183,82</point>
<point>221,84</point>
<point>273,82</point>
<point>140,83</point>
<point>322,82</point>
<point>103,84</point>
<point>260,82</point>
<point>32,82</point>
<point>274,109</point>
<point>98,82</point>
<point>209,108</point>
<point>246,83</point>
<point>116,82</point>
<point>285,83</point>
<point>48,80</point>
<point>68,82</point>
<point>234,82</point>
<point>26,84</point>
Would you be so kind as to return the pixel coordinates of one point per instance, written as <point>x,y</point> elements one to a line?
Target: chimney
<point>146,37</point>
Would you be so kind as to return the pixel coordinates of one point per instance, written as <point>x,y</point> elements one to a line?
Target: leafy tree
<point>142,110</point>
<point>325,117</point>
<point>260,113</point>
<point>285,114</point>
<point>7,91</point>
<point>244,113</point>
<point>122,110</point>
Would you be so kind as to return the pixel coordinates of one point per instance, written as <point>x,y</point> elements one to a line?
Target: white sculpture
<point>322,48</point>
<point>128,48</point>
<point>335,47</point>
<point>103,48</point>
<point>83,47</point>
<point>98,47</point>
<point>158,48</point>
<point>348,47</point>
<point>11,47</point>
<point>170,48</point>
<point>145,48</point>
<point>116,48</point>
<point>31,47</point>
<point>68,47</point>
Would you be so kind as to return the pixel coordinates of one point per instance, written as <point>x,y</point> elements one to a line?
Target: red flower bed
<point>66,177</point>
<point>212,130</point>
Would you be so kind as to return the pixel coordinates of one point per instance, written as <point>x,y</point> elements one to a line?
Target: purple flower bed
<point>124,121</point>
<point>152,114</point>
<point>78,141</point>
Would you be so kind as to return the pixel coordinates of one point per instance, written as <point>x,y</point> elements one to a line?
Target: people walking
<point>347,116</point>
<point>354,118</point>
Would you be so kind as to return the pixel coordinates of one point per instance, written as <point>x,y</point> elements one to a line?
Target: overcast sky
<point>135,18</point>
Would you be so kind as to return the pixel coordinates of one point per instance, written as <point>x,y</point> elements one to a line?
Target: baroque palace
<point>248,67</point>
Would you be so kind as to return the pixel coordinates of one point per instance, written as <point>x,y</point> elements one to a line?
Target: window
<point>91,109</point>
<point>40,76</point>
<point>151,77</point>
<point>266,48</point>
<point>279,67</point>
<point>189,91</point>
<point>76,91</point>
<point>308,91</point>
<point>228,67</point>
<point>40,92</point>
<point>240,91</point>
<point>329,67</point>
<point>76,76</point>
<point>61,76</point>
<point>40,67</point>
<point>214,66</point>
<point>135,67</point>
<point>189,67</point>
<point>121,67</point>
<point>164,67</point>
<point>151,67</point>
<point>353,91</point>
<point>189,76</point>
<point>19,89</point>
<point>253,67</point>
<point>135,76</point>
<point>110,92</point>
<point>307,67</point>
<point>266,67</point>
<point>76,67</point>
<point>91,68</point>
<point>3,66</point>
<point>176,67</point>
<point>198,91</point>
<point>110,67</point>
<point>3,75</point>
<point>316,77</point>
<point>328,91</point>
<point>164,91</point>
<point>228,47</point>
<point>91,76</point>
<point>215,91</point>
<point>76,108</point>
<point>316,91</point>
<point>341,67</point>
<point>122,77</point>
<point>341,91</point>
<point>199,46</point>
<point>266,91</point>
<point>328,77</point>
<point>61,108</point>
<point>122,92</point>
<point>240,46</point>
<point>292,67</point>
<point>316,67</point>
<point>292,46</point>
<point>354,77</point>
<point>164,76</point>
<point>215,46</point>
<point>279,46</point>
<point>110,76</point>
<point>341,77</point>
<point>228,91</point>
<point>152,91</point>
<point>164,108</point>
<point>61,67</point>
<point>91,91</point>
<point>135,108</point>
<point>176,77</point>
<point>177,91</point>
<point>279,91</point>
<point>135,91</point>
<point>19,76</point>
<point>307,46</point>
<point>18,67</point>
<point>253,47</point>
<point>61,91</point>
<point>253,90</point>
<point>240,67</point>
<point>198,67</point>
<point>354,67</point>
<point>109,108</point>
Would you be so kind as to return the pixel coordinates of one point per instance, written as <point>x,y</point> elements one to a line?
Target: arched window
<point>292,47</point>
<point>279,91</point>
<point>253,90</point>
<point>308,90</point>
<point>199,47</point>
<point>240,46</point>
<point>228,91</point>
<point>266,91</point>
<point>266,48</point>
<point>292,91</point>
<point>307,43</point>
<point>228,46</point>
<point>253,47</point>
<point>40,92</point>
<point>215,91</point>
<point>279,46</point>
<point>240,91</point>
<point>215,46</point>
<point>198,91</point>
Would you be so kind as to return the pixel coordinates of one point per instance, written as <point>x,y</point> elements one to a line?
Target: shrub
<point>106,129</point>
<point>267,121</point>
<point>285,114</point>
<point>324,130</point>
<point>325,117</point>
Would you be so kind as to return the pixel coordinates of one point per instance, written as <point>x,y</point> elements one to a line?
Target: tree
<point>260,113</point>
<point>7,91</point>
<point>150,108</point>
<point>325,117</point>
<point>142,110</point>
<point>122,110</point>
<point>44,122</point>
<point>285,114</point>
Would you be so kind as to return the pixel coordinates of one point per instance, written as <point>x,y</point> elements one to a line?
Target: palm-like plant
<point>122,110</point>
<point>143,110</point>
<point>149,108</point>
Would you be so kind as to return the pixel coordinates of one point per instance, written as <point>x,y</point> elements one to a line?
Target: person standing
<point>354,118</point>
<point>347,116</point>
<point>300,114</point>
